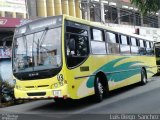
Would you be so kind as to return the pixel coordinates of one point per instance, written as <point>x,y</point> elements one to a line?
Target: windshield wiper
<point>33,64</point>
<point>38,46</point>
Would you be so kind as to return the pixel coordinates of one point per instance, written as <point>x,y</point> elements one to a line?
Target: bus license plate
<point>57,93</point>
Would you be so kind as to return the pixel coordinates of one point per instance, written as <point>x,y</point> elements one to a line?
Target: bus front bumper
<point>42,93</point>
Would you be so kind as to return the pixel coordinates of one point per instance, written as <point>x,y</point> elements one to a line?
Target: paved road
<point>133,99</point>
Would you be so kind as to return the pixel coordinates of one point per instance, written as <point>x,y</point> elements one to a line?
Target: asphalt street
<point>133,99</point>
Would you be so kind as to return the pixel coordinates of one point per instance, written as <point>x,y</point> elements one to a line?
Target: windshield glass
<point>37,51</point>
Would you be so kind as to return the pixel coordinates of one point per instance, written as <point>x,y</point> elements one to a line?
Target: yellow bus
<point>157,54</point>
<point>66,57</point>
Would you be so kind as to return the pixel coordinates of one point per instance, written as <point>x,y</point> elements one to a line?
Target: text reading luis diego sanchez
<point>134,117</point>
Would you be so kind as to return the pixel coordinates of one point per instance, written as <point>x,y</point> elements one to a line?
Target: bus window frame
<point>128,43</point>
<point>137,45</point>
<point>43,72</point>
<point>103,40</point>
<point>117,41</point>
<point>120,39</point>
<point>85,27</point>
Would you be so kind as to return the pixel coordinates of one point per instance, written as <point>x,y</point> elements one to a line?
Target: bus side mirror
<point>72,44</point>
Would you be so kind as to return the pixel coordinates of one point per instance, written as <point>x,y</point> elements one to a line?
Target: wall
<point>152,33</point>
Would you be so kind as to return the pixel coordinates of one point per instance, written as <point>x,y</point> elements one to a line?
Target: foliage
<point>6,83</point>
<point>147,6</point>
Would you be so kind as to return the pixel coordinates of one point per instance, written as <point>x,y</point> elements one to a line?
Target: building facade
<point>44,8</point>
<point>107,11</point>
<point>122,15</point>
<point>7,27</point>
<point>118,12</point>
<point>13,8</point>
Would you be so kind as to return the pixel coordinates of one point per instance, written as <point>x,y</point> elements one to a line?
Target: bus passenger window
<point>124,47</point>
<point>149,50</point>
<point>141,42</point>
<point>112,43</point>
<point>151,44</point>
<point>133,41</point>
<point>123,40</point>
<point>134,46</point>
<point>142,49</point>
<point>98,45</point>
<point>97,35</point>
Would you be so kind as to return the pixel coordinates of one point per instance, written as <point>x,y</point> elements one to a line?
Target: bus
<point>157,54</point>
<point>64,57</point>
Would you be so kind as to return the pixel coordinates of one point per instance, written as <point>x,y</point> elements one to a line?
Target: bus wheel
<point>99,90</point>
<point>143,77</point>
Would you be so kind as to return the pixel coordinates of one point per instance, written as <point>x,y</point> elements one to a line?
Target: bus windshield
<point>37,51</point>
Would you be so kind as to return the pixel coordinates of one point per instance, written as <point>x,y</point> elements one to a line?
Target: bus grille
<point>40,86</point>
<point>37,94</point>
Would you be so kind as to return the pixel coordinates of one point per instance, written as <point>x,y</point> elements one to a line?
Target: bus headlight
<point>18,87</point>
<point>55,85</point>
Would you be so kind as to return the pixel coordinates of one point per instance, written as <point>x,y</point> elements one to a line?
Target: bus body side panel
<point>77,78</point>
<point>120,71</point>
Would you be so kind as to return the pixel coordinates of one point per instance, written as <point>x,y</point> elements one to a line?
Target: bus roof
<point>101,25</point>
<point>89,23</point>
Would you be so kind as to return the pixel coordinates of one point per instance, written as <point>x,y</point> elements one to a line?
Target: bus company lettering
<point>33,74</point>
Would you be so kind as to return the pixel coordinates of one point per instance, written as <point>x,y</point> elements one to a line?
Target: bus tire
<point>59,100</point>
<point>99,90</point>
<point>143,77</point>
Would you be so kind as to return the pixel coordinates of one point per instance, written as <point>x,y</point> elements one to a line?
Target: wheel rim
<point>144,79</point>
<point>100,89</point>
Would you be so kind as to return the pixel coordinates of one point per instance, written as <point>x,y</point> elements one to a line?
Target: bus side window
<point>134,46</point>
<point>142,48</point>
<point>112,43</point>
<point>98,45</point>
<point>124,46</point>
<point>152,48</point>
<point>149,50</point>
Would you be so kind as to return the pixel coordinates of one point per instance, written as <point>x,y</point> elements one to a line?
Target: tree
<point>147,6</point>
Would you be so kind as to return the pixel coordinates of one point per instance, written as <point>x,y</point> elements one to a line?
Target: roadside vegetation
<point>5,94</point>
<point>147,6</point>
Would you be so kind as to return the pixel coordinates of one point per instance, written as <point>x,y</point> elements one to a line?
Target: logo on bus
<point>33,74</point>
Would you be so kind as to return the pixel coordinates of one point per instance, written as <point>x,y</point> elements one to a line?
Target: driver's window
<point>77,45</point>
<point>80,46</point>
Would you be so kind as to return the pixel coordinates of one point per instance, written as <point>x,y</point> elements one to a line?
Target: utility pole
<point>159,19</point>
<point>142,24</point>
<point>102,11</point>
<point>31,6</point>
<point>27,12</point>
<point>85,8</point>
<point>118,12</point>
<point>88,9</point>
